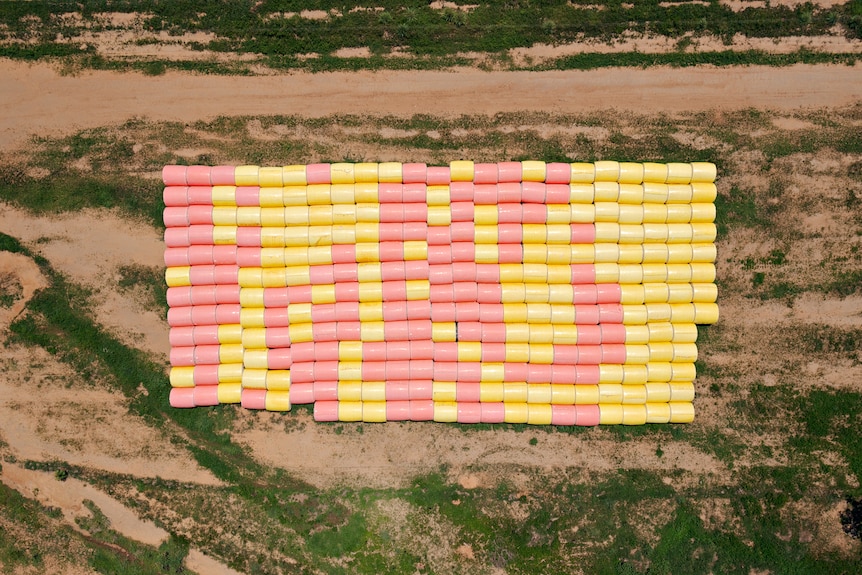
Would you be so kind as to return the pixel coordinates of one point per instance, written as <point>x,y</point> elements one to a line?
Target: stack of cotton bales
<point>519,292</point>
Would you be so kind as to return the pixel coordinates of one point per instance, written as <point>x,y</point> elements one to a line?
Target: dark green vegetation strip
<point>781,451</point>
<point>274,32</point>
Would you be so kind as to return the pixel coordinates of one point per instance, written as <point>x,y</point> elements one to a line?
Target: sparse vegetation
<point>231,38</point>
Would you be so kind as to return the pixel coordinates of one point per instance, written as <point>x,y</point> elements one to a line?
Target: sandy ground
<point>42,101</point>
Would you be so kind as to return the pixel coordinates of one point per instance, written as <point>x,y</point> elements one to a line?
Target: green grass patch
<point>74,192</point>
<point>433,39</point>
<point>150,280</point>
<point>10,244</point>
<point>115,554</point>
<point>340,540</point>
<point>738,208</point>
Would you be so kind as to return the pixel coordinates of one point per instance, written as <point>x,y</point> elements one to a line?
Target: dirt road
<point>36,99</point>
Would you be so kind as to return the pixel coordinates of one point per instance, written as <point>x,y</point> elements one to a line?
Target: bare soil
<point>47,102</point>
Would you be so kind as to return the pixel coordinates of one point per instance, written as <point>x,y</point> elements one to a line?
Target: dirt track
<point>38,100</point>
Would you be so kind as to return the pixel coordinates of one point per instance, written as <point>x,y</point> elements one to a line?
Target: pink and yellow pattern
<point>518,292</point>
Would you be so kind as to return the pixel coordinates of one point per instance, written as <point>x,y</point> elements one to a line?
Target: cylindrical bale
<point>508,172</point>
<point>678,173</point>
<point>610,414</point>
<point>222,175</point>
<point>254,378</point>
<point>634,374</point>
<point>702,192</point>
<point>349,411</point>
<point>485,173</point>
<point>705,313</point>
<point>341,173</point>
<point>609,373</point>
<point>176,196</point>
<point>607,192</point>
<point>229,392</point>
<point>277,401</point>
<point>326,411</point>
<point>278,380</point>
<point>515,412</point>
<point>199,176</point>
<point>634,414</point>
<point>491,392</point>
<point>703,232</point>
<point>374,411</point>
<point>588,415</point>
<point>657,412</point>
<point>373,391</point>
<point>325,390</point>
<point>681,391</point>
<point>634,394</point>
<point>445,411</point>
<point>182,397</point>
<point>182,356</point>
<point>389,172</point>
<point>703,212</point>
<point>563,394</point>
<point>365,172</point>
<point>681,412</point>
<point>493,412</point>
<point>414,173</point>
<point>704,293</point>
<point>350,391</point>
<point>637,354</point>
<point>540,414</point>
<point>421,389</point>
<point>469,412</point>
<point>610,393</point>
<point>398,410</point>
<point>270,177</point>
<point>703,172</point>
<point>678,213</point>
<point>301,393</point>
<point>654,172</point>
<point>515,392</point>
<point>657,392</point>
<point>247,176</point>
<point>445,391</point>
<point>533,171</point>
<point>253,398</point>
<point>678,194</point>
<point>635,314</point>
<point>230,373</point>
<point>607,171</point>
<point>175,175</point>
<point>683,373</point>
<point>206,395</point>
<point>558,173</point>
<point>421,410</point>
<point>190,376</point>
<point>563,415</point>
<point>682,333</point>
<point>318,174</point>
<point>583,173</point>
<point>631,173</point>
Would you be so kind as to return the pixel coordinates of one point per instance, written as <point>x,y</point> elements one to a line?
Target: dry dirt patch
<point>48,412</point>
<point>89,247</point>
<point>45,102</point>
<point>387,456</point>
